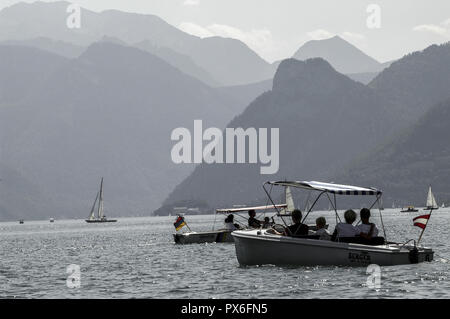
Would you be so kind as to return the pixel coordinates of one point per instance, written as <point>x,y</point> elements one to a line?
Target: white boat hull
<point>259,248</point>
<point>219,236</point>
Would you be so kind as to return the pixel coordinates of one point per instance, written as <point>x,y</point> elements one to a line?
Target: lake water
<point>137,258</point>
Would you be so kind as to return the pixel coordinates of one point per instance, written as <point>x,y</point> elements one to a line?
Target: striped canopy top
<point>330,187</point>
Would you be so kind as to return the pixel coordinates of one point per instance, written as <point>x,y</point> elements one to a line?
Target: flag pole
<point>184,220</point>
<point>187,225</point>
<point>423,230</point>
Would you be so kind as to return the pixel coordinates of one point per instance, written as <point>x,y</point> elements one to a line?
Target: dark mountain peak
<point>315,73</point>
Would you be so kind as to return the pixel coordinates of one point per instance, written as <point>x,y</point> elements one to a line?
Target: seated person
<point>267,223</point>
<point>252,221</point>
<point>297,228</point>
<point>367,229</point>
<point>346,229</point>
<point>229,223</point>
<point>321,231</point>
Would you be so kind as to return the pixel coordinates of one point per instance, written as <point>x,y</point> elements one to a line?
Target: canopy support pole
<point>270,198</point>
<point>310,209</point>
<point>381,215</point>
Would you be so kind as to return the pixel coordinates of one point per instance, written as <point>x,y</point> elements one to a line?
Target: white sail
<point>289,200</point>
<point>431,201</point>
<point>100,204</point>
<point>92,213</point>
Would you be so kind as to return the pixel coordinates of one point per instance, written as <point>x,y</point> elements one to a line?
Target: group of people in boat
<point>253,222</point>
<point>347,229</point>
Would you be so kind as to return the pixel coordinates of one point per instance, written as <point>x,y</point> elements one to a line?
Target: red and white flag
<point>421,221</point>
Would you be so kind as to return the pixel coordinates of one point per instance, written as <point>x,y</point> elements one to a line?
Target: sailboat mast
<point>100,203</point>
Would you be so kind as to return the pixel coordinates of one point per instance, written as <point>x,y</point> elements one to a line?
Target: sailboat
<point>431,201</point>
<point>100,216</point>
<point>289,200</point>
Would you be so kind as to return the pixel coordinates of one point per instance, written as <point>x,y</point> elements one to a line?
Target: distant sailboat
<point>289,200</point>
<point>100,218</point>
<point>290,206</point>
<point>431,201</point>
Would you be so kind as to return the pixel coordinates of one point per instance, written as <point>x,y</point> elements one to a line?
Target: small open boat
<point>214,236</point>
<point>220,235</point>
<point>409,209</point>
<point>100,216</point>
<point>259,247</point>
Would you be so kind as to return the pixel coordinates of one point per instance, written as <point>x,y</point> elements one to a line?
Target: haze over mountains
<point>79,104</point>
<point>228,61</point>
<point>343,56</point>
<point>325,119</point>
<point>108,113</point>
<point>214,60</point>
<point>410,162</point>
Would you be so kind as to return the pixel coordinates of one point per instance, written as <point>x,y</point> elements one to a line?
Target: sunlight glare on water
<point>137,258</point>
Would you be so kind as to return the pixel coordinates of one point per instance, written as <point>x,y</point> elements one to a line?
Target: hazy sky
<point>277,28</point>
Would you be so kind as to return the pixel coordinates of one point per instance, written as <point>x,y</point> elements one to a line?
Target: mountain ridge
<point>378,114</point>
<point>239,64</point>
<point>343,56</point>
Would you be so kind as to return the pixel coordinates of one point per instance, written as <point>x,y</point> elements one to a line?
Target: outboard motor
<point>414,255</point>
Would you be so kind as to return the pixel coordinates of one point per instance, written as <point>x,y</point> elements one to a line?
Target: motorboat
<point>258,247</point>
<point>221,235</point>
<point>214,236</point>
<point>263,246</point>
<point>409,209</point>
